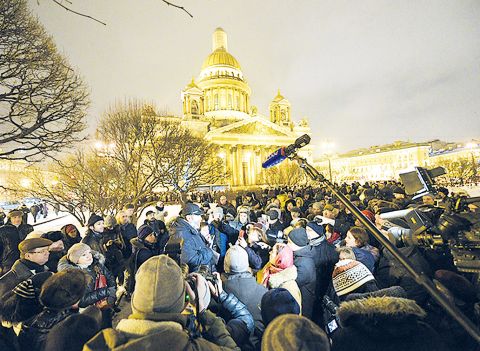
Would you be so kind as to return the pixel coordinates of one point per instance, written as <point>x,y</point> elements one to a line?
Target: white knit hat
<point>349,275</point>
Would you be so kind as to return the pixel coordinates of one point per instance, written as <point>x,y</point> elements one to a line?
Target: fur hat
<point>63,289</point>
<point>76,251</point>
<point>292,332</point>
<point>299,237</point>
<point>276,302</point>
<point>236,260</point>
<point>160,288</point>
<point>94,218</point>
<point>32,244</point>
<point>144,231</point>
<point>349,275</point>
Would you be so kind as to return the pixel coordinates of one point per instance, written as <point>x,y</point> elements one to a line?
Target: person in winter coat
<point>358,237</point>
<point>161,319</point>
<point>94,235</point>
<point>33,256</point>
<point>9,240</point>
<point>303,259</point>
<point>384,323</point>
<point>34,210</point>
<point>144,246</point>
<point>275,228</point>
<point>280,272</point>
<point>113,246</point>
<point>159,228</point>
<point>101,287</point>
<point>325,257</point>
<point>195,251</point>
<point>350,276</point>
<point>257,250</point>
<point>128,230</point>
<point>71,236</point>
<point>240,282</point>
<point>60,293</point>
<point>57,249</point>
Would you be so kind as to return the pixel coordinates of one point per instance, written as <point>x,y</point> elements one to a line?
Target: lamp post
<point>327,148</point>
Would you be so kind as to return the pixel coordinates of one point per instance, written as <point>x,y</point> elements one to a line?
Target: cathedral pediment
<point>253,126</point>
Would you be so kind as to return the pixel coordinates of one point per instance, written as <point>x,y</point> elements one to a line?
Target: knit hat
<point>236,260</point>
<point>299,237</point>
<point>63,289</point>
<point>349,275</point>
<point>293,332</point>
<point>70,228</point>
<point>365,257</point>
<point>144,231</point>
<point>76,251</point>
<point>272,214</point>
<point>369,214</point>
<point>94,218</point>
<point>276,302</point>
<point>316,227</point>
<point>53,235</point>
<point>159,288</point>
<point>32,244</point>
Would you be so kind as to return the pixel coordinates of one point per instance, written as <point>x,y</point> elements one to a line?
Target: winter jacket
<point>34,331</point>
<point>68,241</point>
<point>9,240</point>
<point>325,256</point>
<point>303,259</point>
<point>286,279</point>
<point>247,290</point>
<point>95,241</point>
<point>390,272</point>
<point>273,233</point>
<point>21,270</point>
<point>384,323</point>
<point>168,332</point>
<point>142,251</point>
<point>91,295</point>
<point>161,230</point>
<point>195,251</point>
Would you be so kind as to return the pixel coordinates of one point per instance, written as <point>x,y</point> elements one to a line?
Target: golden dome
<point>220,57</point>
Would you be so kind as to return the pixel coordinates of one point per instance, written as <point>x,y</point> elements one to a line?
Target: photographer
<point>161,318</point>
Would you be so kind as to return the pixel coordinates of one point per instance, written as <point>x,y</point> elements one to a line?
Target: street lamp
<point>327,150</point>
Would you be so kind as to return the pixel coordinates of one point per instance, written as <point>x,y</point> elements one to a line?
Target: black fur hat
<point>63,289</point>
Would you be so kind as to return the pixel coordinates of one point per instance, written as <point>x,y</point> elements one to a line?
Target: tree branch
<point>178,7</point>
<point>78,13</point>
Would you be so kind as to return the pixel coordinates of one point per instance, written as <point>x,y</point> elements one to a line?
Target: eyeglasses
<point>39,252</point>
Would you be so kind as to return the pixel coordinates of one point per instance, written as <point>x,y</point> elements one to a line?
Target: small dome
<point>220,57</point>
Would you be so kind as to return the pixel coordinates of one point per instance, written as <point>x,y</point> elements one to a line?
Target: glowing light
<point>25,182</point>
<point>99,145</point>
<point>222,155</point>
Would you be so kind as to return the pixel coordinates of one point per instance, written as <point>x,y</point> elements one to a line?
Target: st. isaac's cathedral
<point>217,106</point>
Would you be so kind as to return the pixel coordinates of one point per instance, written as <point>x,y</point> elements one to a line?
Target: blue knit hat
<point>276,302</point>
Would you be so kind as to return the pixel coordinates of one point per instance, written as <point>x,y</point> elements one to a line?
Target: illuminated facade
<point>387,161</point>
<point>217,106</point>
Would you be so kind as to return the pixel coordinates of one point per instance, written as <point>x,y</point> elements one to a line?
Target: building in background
<point>387,161</point>
<point>216,105</point>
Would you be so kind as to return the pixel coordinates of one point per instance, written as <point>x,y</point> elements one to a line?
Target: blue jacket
<point>195,251</point>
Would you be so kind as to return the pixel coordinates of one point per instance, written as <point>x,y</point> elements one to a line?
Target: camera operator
<point>162,318</point>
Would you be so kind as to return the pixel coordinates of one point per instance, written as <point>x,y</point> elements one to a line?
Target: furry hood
<point>64,263</point>
<point>382,316</point>
<point>286,275</point>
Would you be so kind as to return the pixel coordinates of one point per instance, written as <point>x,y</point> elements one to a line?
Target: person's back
<point>159,320</point>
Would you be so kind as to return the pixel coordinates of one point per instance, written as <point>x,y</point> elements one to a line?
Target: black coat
<point>34,331</point>
<point>19,272</point>
<point>325,257</point>
<point>91,295</point>
<point>272,232</point>
<point>306,280</point>
<point>9,240</point>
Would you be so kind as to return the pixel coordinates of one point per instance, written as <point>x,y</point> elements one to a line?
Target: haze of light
<point>363,72</point>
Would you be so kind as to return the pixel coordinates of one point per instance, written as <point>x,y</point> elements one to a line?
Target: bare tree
<point>460,171</point>
<point>42,101</point>
<point>287,173</point>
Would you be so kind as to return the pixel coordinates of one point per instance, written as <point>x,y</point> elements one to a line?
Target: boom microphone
<point>285,151</point>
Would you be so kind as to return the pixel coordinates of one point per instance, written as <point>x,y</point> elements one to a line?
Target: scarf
<point>283,260</point>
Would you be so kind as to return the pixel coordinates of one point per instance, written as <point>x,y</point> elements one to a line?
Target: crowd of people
<point>277,269</point>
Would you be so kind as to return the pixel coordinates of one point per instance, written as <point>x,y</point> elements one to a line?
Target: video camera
<point>455,227</point>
